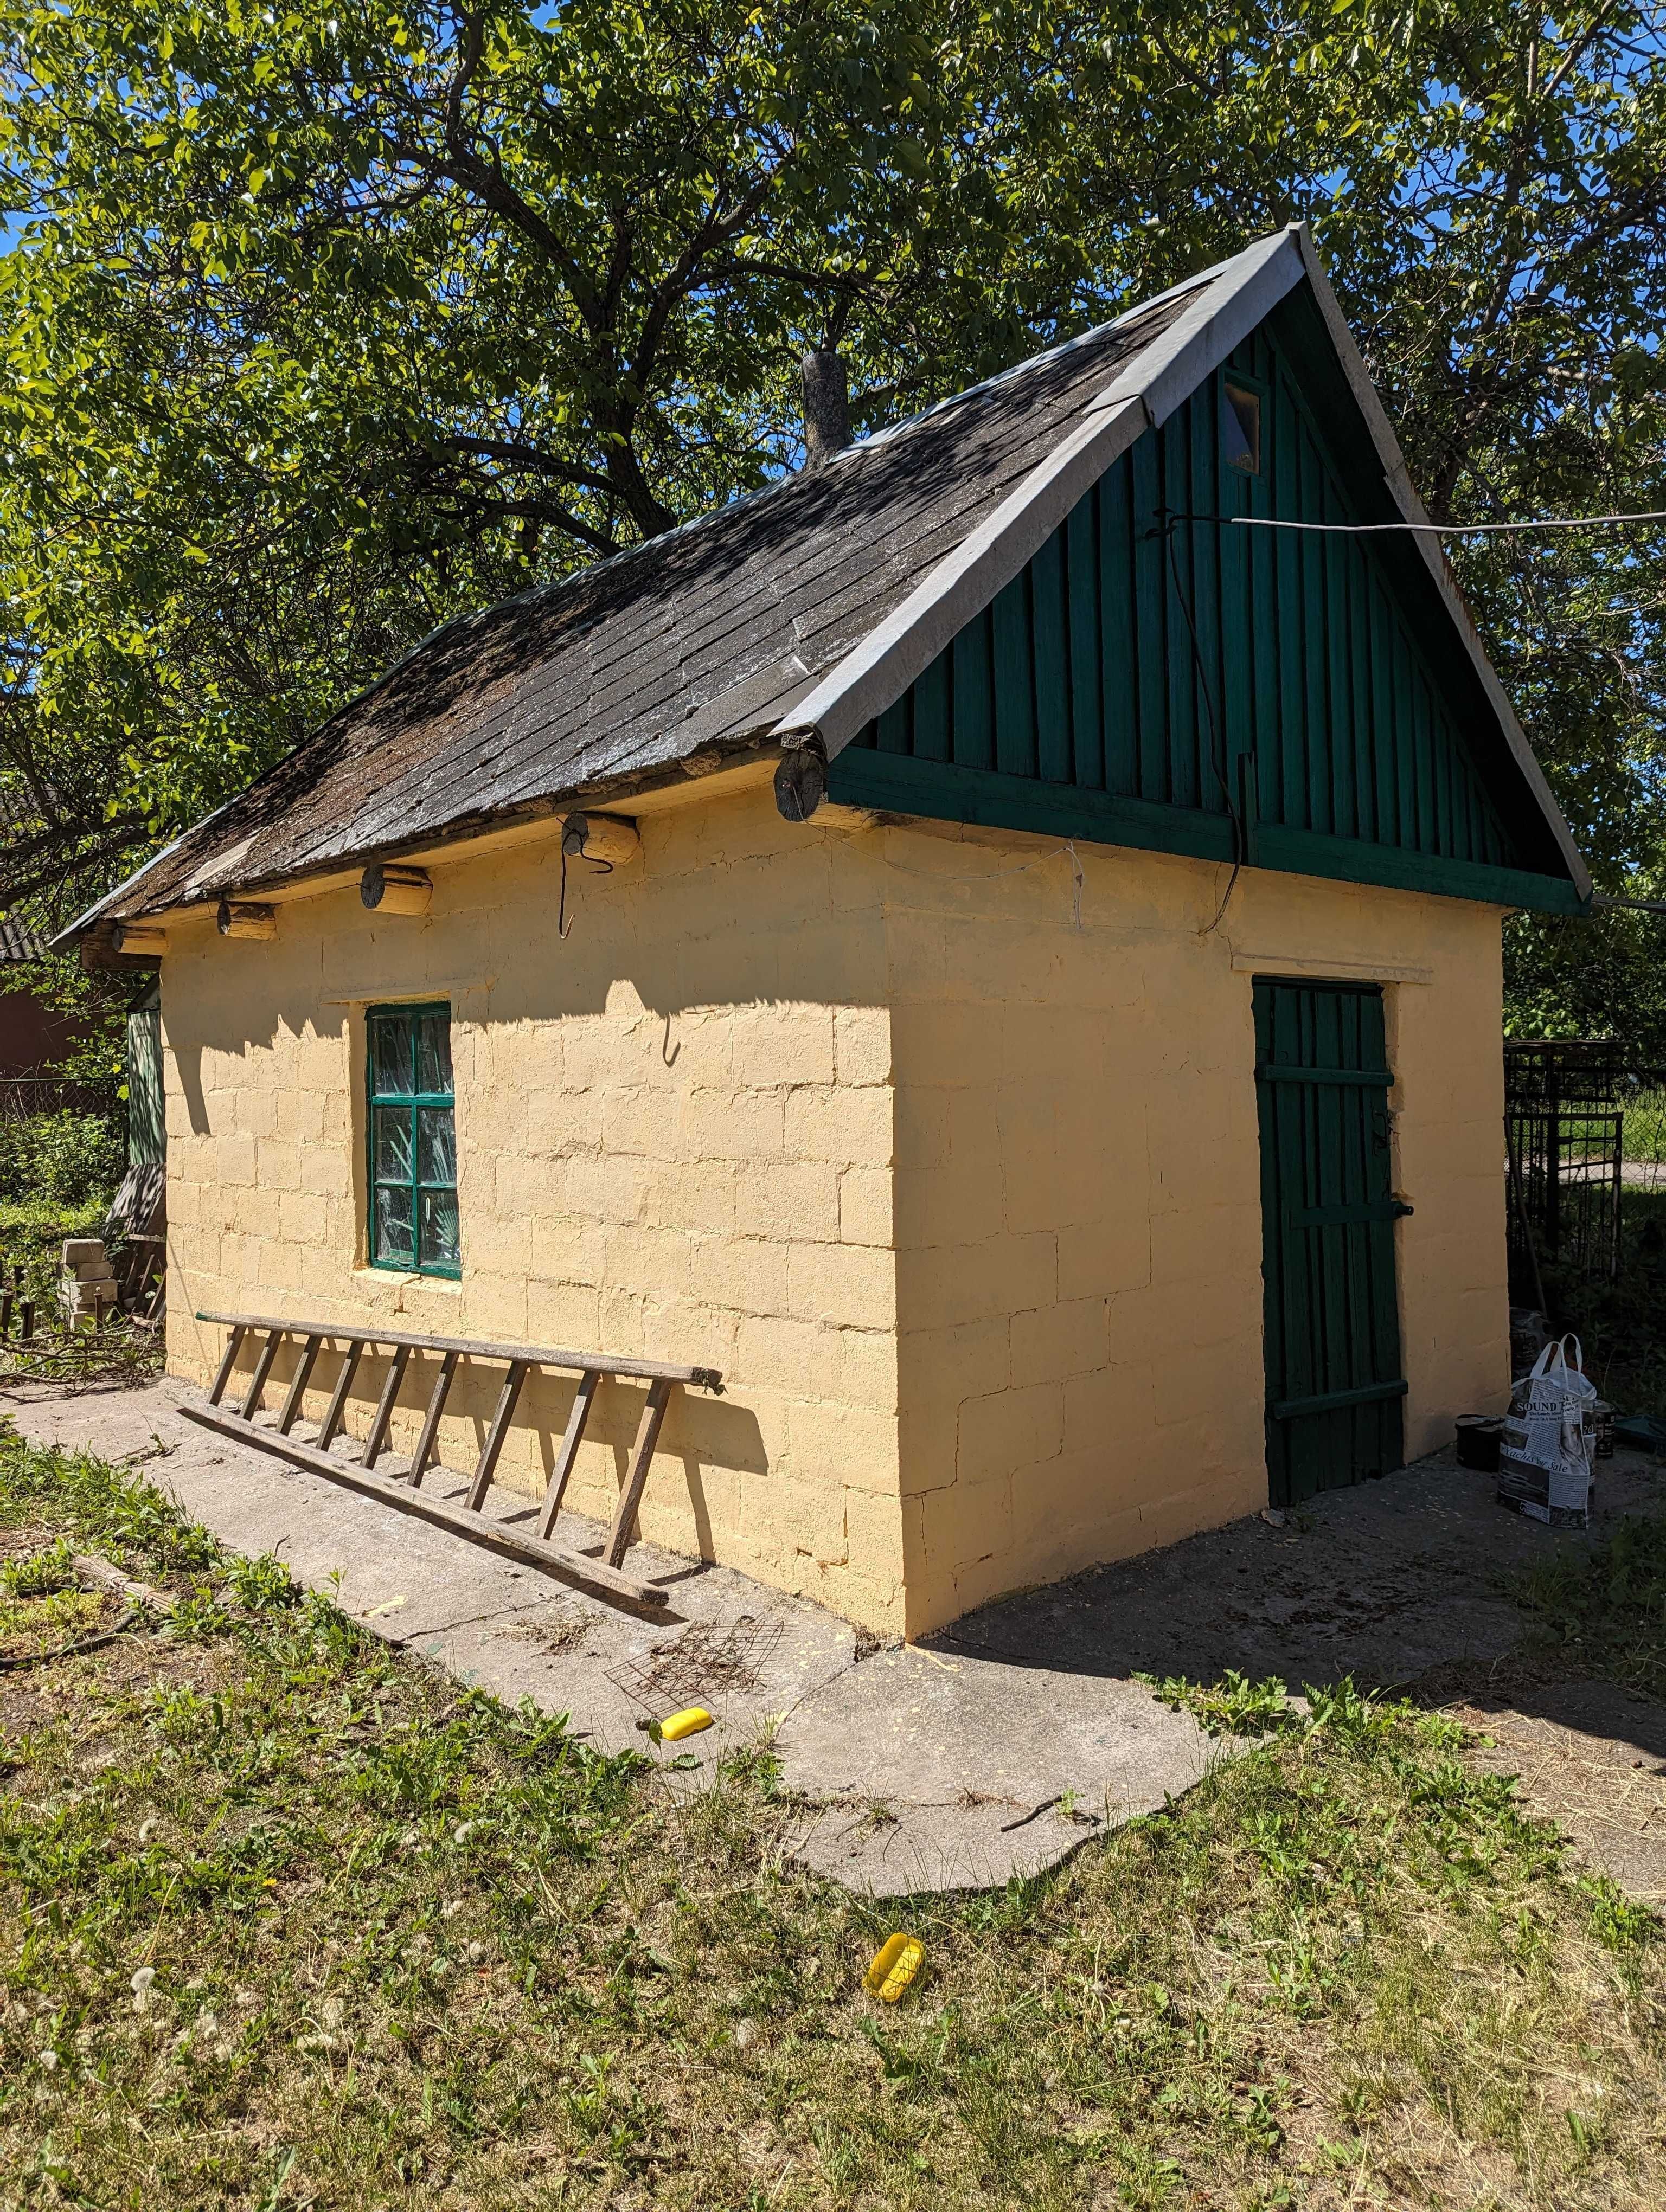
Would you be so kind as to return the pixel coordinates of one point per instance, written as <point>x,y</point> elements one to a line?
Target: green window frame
<point>411,1117</point>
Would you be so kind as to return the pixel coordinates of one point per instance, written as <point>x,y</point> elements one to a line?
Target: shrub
<point>66,1157</point>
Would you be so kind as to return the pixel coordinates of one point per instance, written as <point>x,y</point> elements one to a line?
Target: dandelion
<point>140,1985</point>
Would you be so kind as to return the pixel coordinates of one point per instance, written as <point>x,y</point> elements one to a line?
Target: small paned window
<point>413,1142</point>
<point>1240,426</point>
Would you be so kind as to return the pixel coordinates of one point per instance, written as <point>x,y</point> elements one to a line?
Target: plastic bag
<point>1548,1441</point>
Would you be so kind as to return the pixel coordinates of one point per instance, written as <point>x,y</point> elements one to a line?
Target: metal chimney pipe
<point>826,408</point>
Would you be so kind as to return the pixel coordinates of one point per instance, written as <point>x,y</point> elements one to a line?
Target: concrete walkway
<point>990,1752</point>
<point>925,1772</point>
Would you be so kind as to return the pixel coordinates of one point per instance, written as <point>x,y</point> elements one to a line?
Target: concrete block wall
<point>949,1164</point>
<point>1078,1209</point>
<point>674,1138</point>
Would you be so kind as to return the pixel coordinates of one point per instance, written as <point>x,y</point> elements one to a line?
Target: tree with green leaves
<point>323,325</point>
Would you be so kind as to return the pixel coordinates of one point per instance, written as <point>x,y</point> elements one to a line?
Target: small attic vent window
<point>1240,427</point>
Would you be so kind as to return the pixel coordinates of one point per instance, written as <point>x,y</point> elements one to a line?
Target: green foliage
<point>328,324</point>
<point>39,1574</point>
<point>63,1158</point>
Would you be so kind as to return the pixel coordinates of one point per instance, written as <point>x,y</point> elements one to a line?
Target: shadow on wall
<point>703,1432</point>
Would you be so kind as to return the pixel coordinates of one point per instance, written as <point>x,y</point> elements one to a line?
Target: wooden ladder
<point>405,1491</point>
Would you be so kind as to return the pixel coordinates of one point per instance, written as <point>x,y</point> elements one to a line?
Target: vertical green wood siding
<point>1084,671</point>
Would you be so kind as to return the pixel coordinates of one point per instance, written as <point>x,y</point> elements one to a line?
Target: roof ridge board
<point>881,665</point>
<point>1003,376</point>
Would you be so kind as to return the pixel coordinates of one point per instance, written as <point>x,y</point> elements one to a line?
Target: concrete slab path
<point>990,1750</point>
<point>924,1773</point>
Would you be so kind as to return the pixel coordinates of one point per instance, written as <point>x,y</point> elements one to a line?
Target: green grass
<point>287,1920</point>
<point>1604,1609</point>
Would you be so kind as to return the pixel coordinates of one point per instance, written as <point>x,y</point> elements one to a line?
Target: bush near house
<point>66,1157</point>
<point>288,1919</point>
<point>32,1238</point>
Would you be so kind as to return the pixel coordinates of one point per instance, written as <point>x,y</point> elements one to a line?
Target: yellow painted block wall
<point>948,1161</point>
<point>674,1138</point>
<point>1078,1189</point>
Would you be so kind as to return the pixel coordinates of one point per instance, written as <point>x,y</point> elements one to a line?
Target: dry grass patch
<point>287,1920</point>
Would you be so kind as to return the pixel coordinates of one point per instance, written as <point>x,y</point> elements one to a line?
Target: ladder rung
<point>297,1389</point>
<point>326,1435</point>
<point>383,1415</point>
<point>263,1368</point>
<point>583,1398</point>
<point>431,1419</point>
<point>648,1435</point>
<point>222,1373</point>
<point>497,1433</point>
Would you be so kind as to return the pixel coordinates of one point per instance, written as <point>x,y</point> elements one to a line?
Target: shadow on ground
<point>1000,1745</point>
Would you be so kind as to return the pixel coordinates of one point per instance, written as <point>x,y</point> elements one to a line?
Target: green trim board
<point>410,1138</point>
<point>893,784</point>
<point>1290,686</point>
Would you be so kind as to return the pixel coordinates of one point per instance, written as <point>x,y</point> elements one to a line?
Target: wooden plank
<point>436,1406</point>
<point>222,1373</point>
<point>974,719</point>
<point>498,1430</point>
<point>648,1435</point>
<point>477,1528</point>
<point>263,1368</point>
<point>338,1404</point>
<point>384,1413</point>
<point>297,1389</point>
<point>572,1437</point>
<point>529,1355</point>
<point>1053,759</point>
<point>1015,694</point>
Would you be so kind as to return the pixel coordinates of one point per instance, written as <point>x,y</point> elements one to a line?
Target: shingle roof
<point>18,942</point>
<point>701,636</point>
<point>791,616</point>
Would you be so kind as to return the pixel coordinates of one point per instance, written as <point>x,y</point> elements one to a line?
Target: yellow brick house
<point>993,943</point>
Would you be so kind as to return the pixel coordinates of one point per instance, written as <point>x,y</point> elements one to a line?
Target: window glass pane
<point>394,1143</point>
<point>390,1056</point>
<point>437,1146</point>
<point>434,1054</point>
<point>439,1241</point>
<point>393,1222</point>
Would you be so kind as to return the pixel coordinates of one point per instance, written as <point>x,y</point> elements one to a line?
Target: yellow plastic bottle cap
<point>689,1722</point>
<point>894,1965</point>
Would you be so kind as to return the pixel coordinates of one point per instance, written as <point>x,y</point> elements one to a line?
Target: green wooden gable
<point>1158,677</point>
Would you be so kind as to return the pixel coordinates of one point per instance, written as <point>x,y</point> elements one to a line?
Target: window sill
<point>407,1278</point>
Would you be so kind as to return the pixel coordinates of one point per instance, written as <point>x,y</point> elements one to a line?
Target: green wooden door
<point>1333,1381</point>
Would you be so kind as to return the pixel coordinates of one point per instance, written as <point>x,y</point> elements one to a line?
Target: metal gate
<point>1334,1380</point>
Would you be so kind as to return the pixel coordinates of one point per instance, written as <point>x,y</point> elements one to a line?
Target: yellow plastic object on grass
<point>689,1722</point>
<point>896,1963</point>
